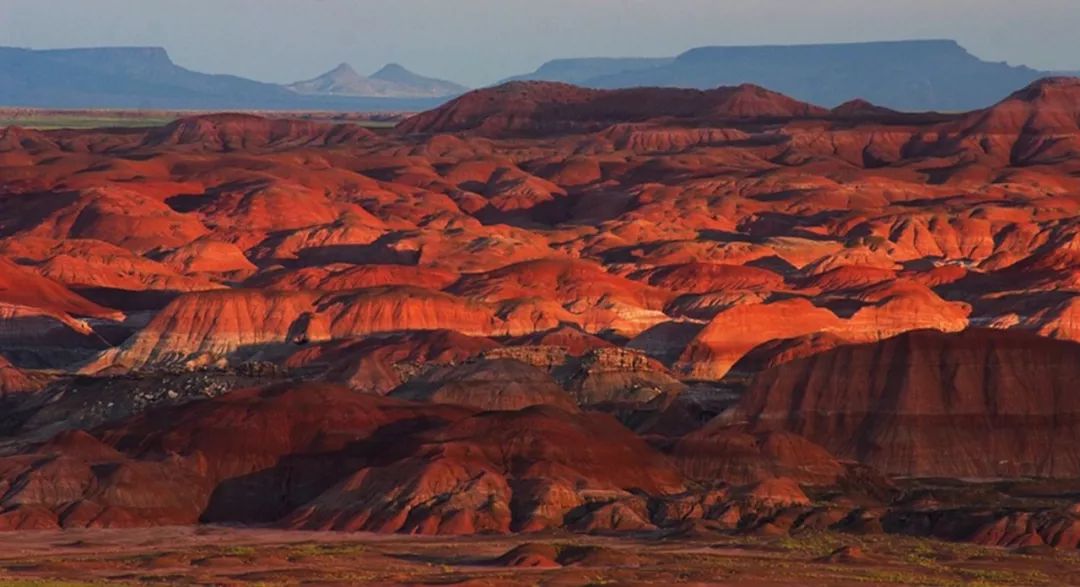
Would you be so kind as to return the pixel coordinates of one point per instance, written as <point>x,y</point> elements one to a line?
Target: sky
<point>478,42</point>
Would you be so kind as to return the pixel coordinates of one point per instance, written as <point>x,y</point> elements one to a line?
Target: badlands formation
<point>542,307</point>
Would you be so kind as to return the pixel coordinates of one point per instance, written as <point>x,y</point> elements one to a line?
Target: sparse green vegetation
<point>239,551</point>
<point>42,583</point>
<point>774,560</point>
<point>328,549</point>
<point>815,544</point>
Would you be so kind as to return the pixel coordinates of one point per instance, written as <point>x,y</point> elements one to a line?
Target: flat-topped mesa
<point>548,107</point>
<point>914,75</point>
<point>112,59</point>
<point>898,50</point>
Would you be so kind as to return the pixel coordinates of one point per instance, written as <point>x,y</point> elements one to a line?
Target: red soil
<point>548,253</point>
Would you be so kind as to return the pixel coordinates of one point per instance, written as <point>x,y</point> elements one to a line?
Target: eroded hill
<point>547,307</point>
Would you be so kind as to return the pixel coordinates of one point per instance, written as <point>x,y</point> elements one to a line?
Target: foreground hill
<point>905,75</point>
<point>977,404</point>
<point>323,457</point>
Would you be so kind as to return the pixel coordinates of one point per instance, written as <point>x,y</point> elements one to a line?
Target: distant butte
<point>392,81</point>
<point>915,75</point>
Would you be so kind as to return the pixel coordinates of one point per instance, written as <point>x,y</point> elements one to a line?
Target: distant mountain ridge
<point>900,75</point>
<point>392,81</point>
<point>147,78</point>
<point>903,75</point>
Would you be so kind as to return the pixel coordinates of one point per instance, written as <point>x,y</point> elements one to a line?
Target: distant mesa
<point>146,78</point>
<point>924,75</point>
<point>392,81</point>
<point>903,75</point>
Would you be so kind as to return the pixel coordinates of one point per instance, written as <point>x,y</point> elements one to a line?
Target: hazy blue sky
<point>480,41</point>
